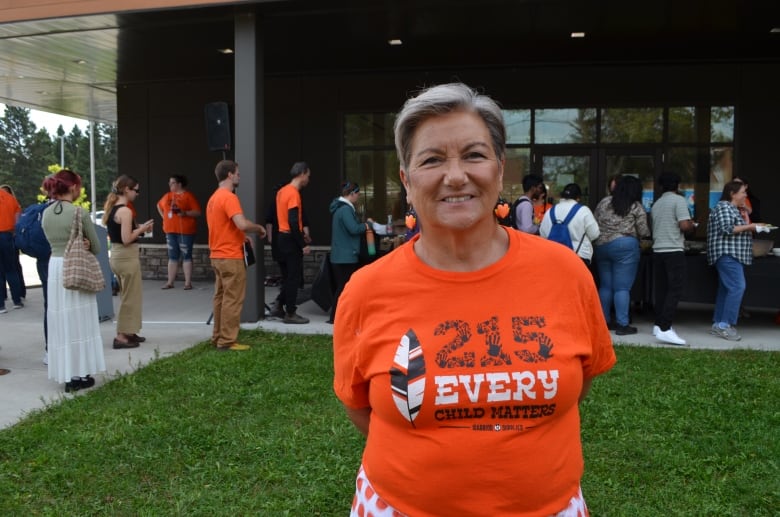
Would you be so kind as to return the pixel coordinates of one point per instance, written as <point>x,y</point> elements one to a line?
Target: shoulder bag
<point>80,268</point>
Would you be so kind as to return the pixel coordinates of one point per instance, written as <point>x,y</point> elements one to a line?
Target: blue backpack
<point>28,232</point>
<point>560,229</point>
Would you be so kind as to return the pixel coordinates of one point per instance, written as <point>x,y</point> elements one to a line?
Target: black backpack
<point>28,232</point>
<point>513,211</point>
<point>560,229</point>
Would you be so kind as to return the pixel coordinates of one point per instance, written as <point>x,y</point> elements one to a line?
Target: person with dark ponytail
<point>622,222</point>
<point>125,260</point>
<point>74,341</point>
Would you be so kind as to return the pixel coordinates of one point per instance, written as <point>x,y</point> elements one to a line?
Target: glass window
<point>721,171</point>
<point>368,129</point>
<point>632,125</point>
<point>682,125</point>
<point>376,171</point>
<point>722,124</point>
<point>683,160</point>
<point>641,166</point>
<point>558,171</point>
<point>518,164</point>
<point>518,126</point>
<point>565,126</point>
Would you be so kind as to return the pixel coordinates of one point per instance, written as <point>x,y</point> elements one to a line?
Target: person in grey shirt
<point>671,220</point>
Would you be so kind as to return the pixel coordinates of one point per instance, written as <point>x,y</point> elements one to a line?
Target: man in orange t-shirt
<point>227,228</point>
<point>9,213</point>
<point>291,239</point>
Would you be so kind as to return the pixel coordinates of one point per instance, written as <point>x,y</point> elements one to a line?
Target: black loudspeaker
<point>218,126</point>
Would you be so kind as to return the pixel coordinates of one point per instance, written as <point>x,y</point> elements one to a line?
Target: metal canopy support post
<point>249,152</point>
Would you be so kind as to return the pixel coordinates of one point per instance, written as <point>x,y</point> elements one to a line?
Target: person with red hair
<point>75,344</point>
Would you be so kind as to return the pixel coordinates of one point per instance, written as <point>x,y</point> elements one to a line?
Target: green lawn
<point>667,432</point>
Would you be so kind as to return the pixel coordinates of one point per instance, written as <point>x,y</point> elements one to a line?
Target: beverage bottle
<point>370,241</point>
<point>389,224</point>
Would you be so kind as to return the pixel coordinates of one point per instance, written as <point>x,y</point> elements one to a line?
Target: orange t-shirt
<point>179,223</point>
<point>472,383</point>
<point>288,197</point>
<point>9,211</point>
<point>226,241</point>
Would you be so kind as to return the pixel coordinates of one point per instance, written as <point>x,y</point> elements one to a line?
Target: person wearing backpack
<point>580,229</point>
<point>30,239</point>
<point>522,211</point>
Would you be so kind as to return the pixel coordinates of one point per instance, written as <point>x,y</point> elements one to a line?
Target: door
<point>643,163</point>
<point>560,165</point>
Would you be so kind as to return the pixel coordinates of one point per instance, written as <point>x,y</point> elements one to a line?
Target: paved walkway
<point>175,319</point>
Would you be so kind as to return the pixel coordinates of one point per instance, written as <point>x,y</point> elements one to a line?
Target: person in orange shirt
<point>178,209</point>
<point>227,234</point>
<point>466,388</point>
<point>292,244</point>
<point>9,256</point>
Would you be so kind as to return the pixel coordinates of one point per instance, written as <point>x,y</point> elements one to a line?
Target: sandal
<point>167,286</point>
<point>188,287</point>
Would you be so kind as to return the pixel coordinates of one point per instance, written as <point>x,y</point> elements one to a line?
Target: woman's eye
<point>431,160</point>
<point>474,155</point>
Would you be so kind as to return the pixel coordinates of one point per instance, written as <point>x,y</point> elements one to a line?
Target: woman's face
<point>738,198</point>
<point>453,177</point>
<point>132,192</point>
<point>174,185</point>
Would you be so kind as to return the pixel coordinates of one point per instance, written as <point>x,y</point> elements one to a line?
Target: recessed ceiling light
<point>577,34</point>
<point>395,42</point>
<point>225,50</point>
<point>775,30</point>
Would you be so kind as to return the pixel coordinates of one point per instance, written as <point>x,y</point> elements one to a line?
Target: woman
<point>729,249</point>
<point>622,222</point>
<point>125,263</point>
<point>583,228</point>
<point>178,209</point>
<point>74,342</point>
<point>437,345</point>
<point>345,242</point>
<point>10,263</point>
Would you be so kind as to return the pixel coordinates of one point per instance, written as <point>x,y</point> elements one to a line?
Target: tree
<point>26,154</point>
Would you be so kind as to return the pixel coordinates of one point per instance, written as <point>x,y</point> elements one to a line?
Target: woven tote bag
<point>80,268</point>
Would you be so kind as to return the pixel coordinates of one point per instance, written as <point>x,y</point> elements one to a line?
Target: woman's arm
<point>124,216</point>
<point>360,418</point>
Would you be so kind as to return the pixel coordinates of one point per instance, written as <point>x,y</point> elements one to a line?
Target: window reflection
<point>721,171</point>
<point>518,164</point>
<point>518,126</point>
<point>632,125</point>
<point>682,125</point>
<point>722,124</point>
<point>565,126</point>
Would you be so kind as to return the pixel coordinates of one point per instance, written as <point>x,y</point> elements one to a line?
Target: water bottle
<point>370,241</point>
<point>389,224</point>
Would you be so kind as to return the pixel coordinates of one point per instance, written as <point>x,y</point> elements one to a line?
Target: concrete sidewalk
<point>175,319</point>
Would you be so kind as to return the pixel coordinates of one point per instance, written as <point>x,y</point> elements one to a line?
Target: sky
<point>51,122</point>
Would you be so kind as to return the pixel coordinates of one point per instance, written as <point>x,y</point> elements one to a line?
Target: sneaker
<point>715,330</point>
<point>235,347</point>
<point>46,358</point>
<point>3,310</point>
<point>729,334</point>
<point>624,330</point>
<point>276,311</point>
<point>656,330</point>
<point>295,318</point>
<point>18,305</point>
<point>670,336</point>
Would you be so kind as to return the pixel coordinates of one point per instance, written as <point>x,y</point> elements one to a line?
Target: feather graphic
<point>407,376</point>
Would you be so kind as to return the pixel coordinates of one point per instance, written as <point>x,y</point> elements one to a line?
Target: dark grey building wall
<point>162,127</point>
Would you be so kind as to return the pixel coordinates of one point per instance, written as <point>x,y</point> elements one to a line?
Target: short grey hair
<point>440,100</point>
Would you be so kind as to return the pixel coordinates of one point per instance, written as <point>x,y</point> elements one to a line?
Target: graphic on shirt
<point>509,393</point>
<point>407,376</point>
